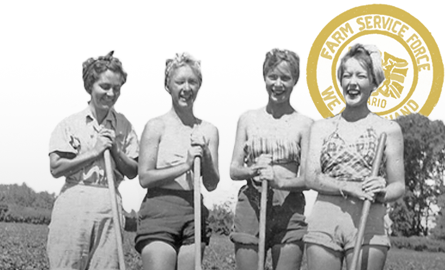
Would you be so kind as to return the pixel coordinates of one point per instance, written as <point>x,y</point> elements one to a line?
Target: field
<point>22,247</point>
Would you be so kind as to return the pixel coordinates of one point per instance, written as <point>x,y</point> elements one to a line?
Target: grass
<point>23,247</point>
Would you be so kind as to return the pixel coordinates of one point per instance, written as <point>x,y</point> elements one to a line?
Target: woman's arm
<point>149,175</point>
<point>321,182</point>
<point>238,170</point>
<point>126,165</point>
<point>393,187</point>
<point>65,164</point>
<point>210,171</point>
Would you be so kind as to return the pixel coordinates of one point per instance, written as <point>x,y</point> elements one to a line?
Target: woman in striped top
<point>270,144</point>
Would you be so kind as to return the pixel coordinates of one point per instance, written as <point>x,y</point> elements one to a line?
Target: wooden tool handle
<point>116,220</point>
<point>367,204</point>
<point>197,202</point>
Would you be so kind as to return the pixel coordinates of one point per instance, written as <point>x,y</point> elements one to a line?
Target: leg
<point>186,256</point>
<point>287,256</point>
<point>246,257</point>
<point>372,257</point>
<point>320,258</point>
<point>158,255</point>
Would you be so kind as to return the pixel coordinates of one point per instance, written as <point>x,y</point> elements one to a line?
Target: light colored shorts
<point>81,232</point>
<point>334,221</point>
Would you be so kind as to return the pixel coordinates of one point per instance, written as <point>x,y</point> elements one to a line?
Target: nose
<point>187,87</point>
<point>110,93</point>
<point>278,82</point>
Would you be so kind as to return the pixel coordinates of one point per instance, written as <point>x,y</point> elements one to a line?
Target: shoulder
<point>208,128</point>
<point>303,120</point>
<point>324,127</point>
<point>73,120</point>
<point>390,127</point>
<point>156,125</point>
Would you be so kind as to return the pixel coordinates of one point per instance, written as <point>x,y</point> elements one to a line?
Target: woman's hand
<point>194,151</point>
<point>105,140</point>
<point>375,185</point>
<point>355,189</point>
<point>262,169</point>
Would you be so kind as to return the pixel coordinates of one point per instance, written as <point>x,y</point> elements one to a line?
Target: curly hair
<point>179,61</point>
<point>369,57</point>
<point>93,68</point>
<point>276,56</point>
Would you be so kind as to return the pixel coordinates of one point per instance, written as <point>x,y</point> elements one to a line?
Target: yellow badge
<point>410,58</point>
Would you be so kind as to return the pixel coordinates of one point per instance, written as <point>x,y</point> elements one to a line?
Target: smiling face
<point>183,86</point>
<point>106,90</point>
<point>356,83</point>
<point>279,83</point>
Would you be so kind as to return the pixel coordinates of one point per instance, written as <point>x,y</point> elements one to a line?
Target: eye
<point>272,76</point>
<point>346,75</point>
<point>105,86</point>
<point>286,78</point>
<point>193,82</point>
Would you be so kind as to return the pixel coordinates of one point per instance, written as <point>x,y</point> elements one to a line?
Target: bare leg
<point>320,258</point>
<point>287,256</point>
<point>186,257</point>
<point>158,255</point>
<point>370,258</point>
<point>246,257</point>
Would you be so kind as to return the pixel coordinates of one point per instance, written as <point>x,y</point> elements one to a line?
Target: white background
<point>43,45</point>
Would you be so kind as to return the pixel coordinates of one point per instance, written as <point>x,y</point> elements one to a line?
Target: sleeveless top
<point>173,149</point>
<point>277,141</point>
<point>351,162</point>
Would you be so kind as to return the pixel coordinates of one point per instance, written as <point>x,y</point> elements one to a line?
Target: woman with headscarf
<point>81,233</point>
<point>271,145</point>
<point>169,145</point>
<point>341,153</point>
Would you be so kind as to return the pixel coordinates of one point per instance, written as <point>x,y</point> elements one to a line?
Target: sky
<point>44,43</point>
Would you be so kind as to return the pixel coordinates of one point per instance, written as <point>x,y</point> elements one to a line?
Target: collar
<point>109,119</point>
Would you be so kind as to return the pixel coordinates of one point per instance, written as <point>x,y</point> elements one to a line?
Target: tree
<point>424,157</point>
<point>439,230</point>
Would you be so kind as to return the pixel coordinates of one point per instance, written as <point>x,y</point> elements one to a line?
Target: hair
<point>369,57</point>
<point>181,60</point>
<point>93,68</point>
<point>276,56</point>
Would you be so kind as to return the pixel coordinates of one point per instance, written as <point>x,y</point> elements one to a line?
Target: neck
<point>278,110</point>
<point>186,116</point>
<point>355,114</point>
<point>97,113</point>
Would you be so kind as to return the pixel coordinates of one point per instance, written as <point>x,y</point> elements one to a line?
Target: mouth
<point>353,93</point>
<point>278,92</point>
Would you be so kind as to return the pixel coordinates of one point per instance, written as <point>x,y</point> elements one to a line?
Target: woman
<point>169,145</point>
<point>341,153</point>
<point>270,145</point>
<point>82,233</point>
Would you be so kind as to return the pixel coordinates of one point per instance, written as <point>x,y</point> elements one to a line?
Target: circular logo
<point>411,61</point>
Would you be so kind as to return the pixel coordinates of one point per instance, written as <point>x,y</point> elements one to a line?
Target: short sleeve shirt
<point>77,134</point>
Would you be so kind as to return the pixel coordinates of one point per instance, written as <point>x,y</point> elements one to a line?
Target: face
<point>280,83</point>
<point>356,83</point>
<point>183,86</point>
<point>106,90</point>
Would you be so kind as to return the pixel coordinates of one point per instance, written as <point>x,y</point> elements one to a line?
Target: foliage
<point>424,156</point>
<point>418,243</point>
<point>19,203</point>
<point>439,230</point>
<point>221,219</point>
<point>23,247</point>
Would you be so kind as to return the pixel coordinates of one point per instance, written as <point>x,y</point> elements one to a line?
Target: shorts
<point>285,222</point>
<point>82,232</point>
<point>334,222</point>
<point>167,215</point>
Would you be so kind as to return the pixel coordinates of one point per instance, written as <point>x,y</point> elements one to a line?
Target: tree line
<point>413,215</point>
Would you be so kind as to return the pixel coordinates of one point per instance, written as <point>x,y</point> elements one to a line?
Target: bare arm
<point>393,186</point>
<point>210,171</point>
<point>126,165</point>
<point>149,175</point>
<point>65,164</point>
<point>238,171</point>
